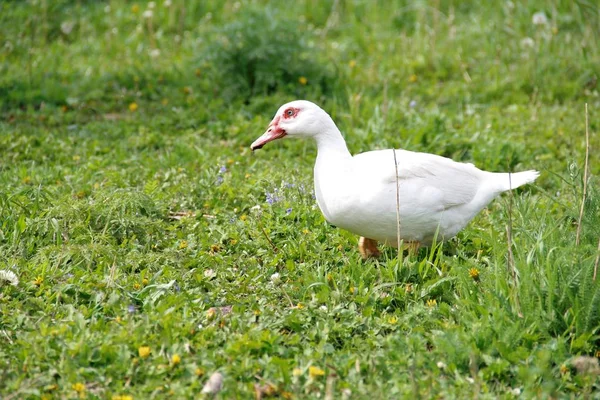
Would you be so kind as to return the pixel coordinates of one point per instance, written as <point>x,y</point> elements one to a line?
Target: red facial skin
<point>275,131</point>
<point>290,112</point>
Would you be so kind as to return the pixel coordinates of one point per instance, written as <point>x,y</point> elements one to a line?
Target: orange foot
<point>368,248</point>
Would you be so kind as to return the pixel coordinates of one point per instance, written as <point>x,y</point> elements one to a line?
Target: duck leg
<point>368,248</point>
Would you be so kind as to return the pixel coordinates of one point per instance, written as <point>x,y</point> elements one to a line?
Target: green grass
<point>113,124</point>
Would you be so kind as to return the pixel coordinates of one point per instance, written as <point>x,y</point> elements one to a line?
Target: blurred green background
<point>152,248</point>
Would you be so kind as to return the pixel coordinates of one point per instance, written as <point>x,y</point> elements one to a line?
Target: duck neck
<point>331,144</point>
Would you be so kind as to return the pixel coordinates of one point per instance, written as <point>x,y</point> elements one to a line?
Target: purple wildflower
<point>288,211</point>
<point>219,180</point>
<point>131,308</point>
<point>412,104</point>
<point>272,197</point>
<point>176,287</point>
<point>223,169</point>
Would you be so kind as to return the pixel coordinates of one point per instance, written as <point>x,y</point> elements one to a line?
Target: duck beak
<point>273,133</point>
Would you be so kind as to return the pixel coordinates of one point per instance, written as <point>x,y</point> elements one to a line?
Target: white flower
<point>527,43</point>
<point>9,276</point>
<point>167,3</point>
<point>107,9</point>
<point>539,18</point>
<point>151,5</point>
<point>346,393</point>
<point>209,273</point>
<point>441,365</point>
<point>148,14</point>
<point>276,278</point>
<point>154,53</point>
<point>323,308</point>
<point>67,27</point>
<point>516,391</point>
<point>214,384</point>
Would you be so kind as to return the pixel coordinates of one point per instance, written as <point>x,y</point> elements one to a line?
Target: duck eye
<point>289,112</point>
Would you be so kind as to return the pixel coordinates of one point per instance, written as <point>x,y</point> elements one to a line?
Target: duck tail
<point>513,180</point>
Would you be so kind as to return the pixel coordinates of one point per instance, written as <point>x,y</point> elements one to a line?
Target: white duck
<point>437,196</point>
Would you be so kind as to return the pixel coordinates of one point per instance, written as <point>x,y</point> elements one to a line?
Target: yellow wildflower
<point>144,351</point>
<point>474,273</point>
<point>392,320</point>
<point>38,281</point>
<point>136,286</point>
<point>122,397</point>
<point>51,388</point>
<point>303,80</point>
<point>300,306</point>
<point>314,372</point>
<point>563,369</point>
<point>247,176</point>
<point>244,217</point>
<point>296,372</point>
<point>413,78</point>
<point>26,180</point>
<point>133,107</point>
<point>183,244</point>
<point>176,359</point>
<point>408,288</point>
<point>145,281</point>
<point>305,231</point>
<point>210,314</point>
<point>352,64</point>
<point>329,277</point>
<point>79,387</point>
<point>135,8</point>
<point>199,372</point>
<point>431,303</point>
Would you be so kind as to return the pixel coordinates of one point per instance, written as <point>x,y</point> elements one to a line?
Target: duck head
<point>298,118</point>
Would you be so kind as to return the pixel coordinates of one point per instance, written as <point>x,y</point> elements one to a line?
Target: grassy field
<point>152,249</point>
